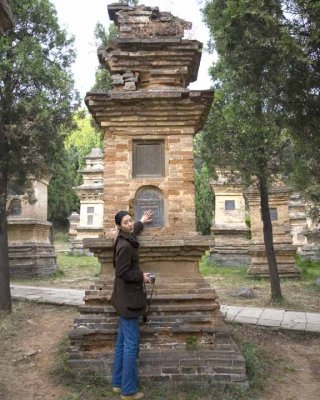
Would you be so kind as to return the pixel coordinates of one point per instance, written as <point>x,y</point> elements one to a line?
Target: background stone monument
<point>229,229</point>
<point>89,224</point>
<point>282,238</point>
<point>149,120</point>
<point>298,221</point>
<point>31,252</point>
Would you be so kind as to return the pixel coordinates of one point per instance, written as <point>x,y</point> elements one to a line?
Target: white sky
<point>79,18</point>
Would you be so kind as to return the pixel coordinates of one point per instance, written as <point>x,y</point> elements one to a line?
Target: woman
<point>129,300</point>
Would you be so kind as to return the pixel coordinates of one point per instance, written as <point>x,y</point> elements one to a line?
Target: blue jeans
<point>125,368</point>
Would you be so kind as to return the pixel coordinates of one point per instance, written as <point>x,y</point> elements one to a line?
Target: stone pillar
<point>282,238</point>
<point>31,252</point>
<point>149,119</point>
<point>231,234</point>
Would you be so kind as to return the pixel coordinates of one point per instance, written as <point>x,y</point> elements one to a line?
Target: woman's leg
<point>118,358</point>
<point>131,335</point>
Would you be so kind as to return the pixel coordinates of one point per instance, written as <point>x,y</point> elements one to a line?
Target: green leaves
<point>36,88</point>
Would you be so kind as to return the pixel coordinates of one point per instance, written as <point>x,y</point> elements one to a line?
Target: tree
<point>102,38</point>
<point>203,193</point>
<point>203,200</point>
<point>246,128</point>
<point>62,198</point>
<point>36,103</point>
<point>301,98</point>
<point>84,136</point>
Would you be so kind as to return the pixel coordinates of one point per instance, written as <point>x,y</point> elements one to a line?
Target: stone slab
<point>313,318</point>
<point>272,314</point>
<point>245,320</point>
<point>251,313</point>
<point>293,316</point>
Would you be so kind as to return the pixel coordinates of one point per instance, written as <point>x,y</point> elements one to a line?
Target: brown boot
<point>135,396</point>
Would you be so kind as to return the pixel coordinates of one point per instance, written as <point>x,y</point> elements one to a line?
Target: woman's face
<point>127,224</point>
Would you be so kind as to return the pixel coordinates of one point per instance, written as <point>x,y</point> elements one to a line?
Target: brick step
<point>152,318</point>
<point>162,308</point>
<point>164,297</point>
<point>178,289</point>
<point>211,365</point>
<point>198,324</point>
<point>86,335</point>
<point>165,282</point>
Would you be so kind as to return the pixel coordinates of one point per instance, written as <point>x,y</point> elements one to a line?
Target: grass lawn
<point>299,294</point>
<point>75,271</point>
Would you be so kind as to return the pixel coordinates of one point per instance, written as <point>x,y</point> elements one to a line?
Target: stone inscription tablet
<point>149,199</point>
<point>148,158</point>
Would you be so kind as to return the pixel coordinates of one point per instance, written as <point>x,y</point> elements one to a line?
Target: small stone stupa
<point>31,251</point>
<point>229,228</point>
<point>89,224</point>
<point>149,119</point>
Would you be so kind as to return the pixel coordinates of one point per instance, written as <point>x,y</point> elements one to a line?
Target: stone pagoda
<point>31,251</point>
<point>149,120</point>
<point>279,197</point>
<point>90,193</point>
<point>230,232</point>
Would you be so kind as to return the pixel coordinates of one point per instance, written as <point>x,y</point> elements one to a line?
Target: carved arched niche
<point>15,207</point>
<point>149,198</point>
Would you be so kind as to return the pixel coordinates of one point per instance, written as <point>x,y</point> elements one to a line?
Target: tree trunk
<point>5,294</point>
<point>276,294</point>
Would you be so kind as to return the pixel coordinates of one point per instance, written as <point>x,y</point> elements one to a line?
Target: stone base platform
<point>285,255</point>
<point>184,338</point>
<point>310,252</point>
<point>230,257</point>
<point>230,246</point>
<point>31,260</point>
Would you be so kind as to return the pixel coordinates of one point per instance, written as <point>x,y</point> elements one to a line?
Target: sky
<point>79,18</point>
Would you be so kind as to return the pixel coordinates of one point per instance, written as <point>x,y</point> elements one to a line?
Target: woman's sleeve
<point>138,226</point>
<point>123,263</point>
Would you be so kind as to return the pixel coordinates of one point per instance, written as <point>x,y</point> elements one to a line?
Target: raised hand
<point>146,217</point>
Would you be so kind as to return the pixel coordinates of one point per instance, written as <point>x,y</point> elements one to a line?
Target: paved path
<point>267,317</point>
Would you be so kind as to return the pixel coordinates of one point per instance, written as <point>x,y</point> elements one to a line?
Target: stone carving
<point>152,199</point>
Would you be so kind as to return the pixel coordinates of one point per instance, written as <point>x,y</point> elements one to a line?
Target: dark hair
<point>118,217</point>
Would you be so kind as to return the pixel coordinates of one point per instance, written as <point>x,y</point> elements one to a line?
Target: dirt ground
<point>27,348</point>
<point>29,338</point>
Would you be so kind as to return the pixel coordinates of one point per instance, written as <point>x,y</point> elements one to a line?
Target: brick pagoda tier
<point>149,120</point>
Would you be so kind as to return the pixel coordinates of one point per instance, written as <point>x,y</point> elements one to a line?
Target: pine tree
<point>36,103</point>
<point>247,126</point>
